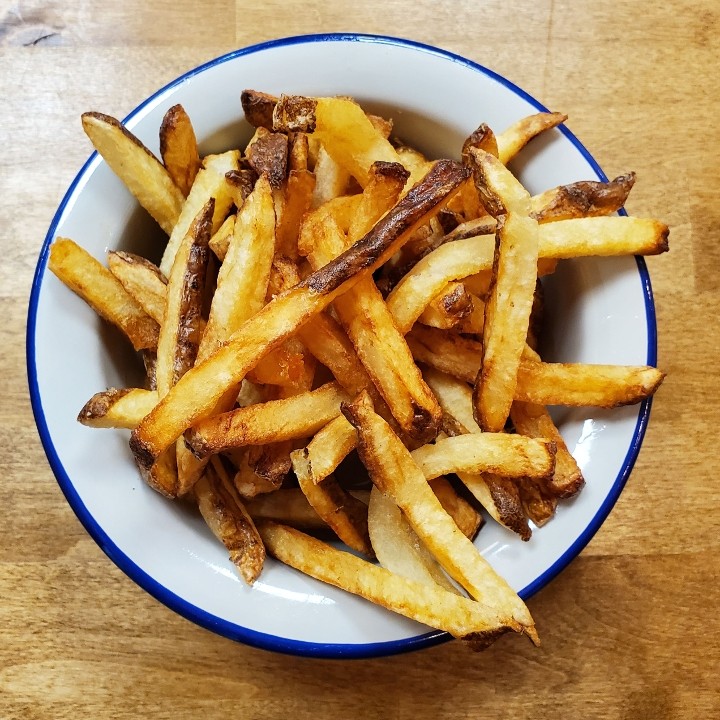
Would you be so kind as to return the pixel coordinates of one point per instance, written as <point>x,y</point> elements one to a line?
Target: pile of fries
<point>328,289</point>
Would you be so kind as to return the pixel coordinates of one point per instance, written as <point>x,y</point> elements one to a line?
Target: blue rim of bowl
<point>237,632</point>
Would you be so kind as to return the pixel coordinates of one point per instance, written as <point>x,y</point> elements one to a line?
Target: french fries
<point>273,355</point>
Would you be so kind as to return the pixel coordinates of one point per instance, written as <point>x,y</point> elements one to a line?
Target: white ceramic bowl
<point>602,311</point>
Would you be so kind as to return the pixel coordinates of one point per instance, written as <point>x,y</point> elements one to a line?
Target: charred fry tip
<point>141,451</point>
<point>382,168</point>
<point>196,444</point>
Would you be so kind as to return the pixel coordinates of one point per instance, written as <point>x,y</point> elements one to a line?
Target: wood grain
<point>629,629</point>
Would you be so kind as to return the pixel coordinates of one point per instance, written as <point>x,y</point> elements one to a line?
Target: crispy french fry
<point>100,289</point>
<point>345,514</point>
<point>298,199</point>
<point>393,471</point>
<point>514,139</point>
<point>287,419</point>
<point>331,179</point>
<point>178,148</point>
<point>450,353</point>
<point>267,154</point>
<point>288,506</point>
<point>499,453</point>
<point>258,108</point>
<point>459,616</point>
<point>115,408</point>
<point>582,199</point>
<point>225,515</point>
<point>209,183</point>
<point>577,384</point>
<point>449,308</point>
<point>465,516</point>
<point>143,174</point>
<point>330,446</point>
<point>221,239</point>
<point>142,279</point>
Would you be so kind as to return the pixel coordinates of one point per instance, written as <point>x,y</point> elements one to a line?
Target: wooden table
<point>630,629</point>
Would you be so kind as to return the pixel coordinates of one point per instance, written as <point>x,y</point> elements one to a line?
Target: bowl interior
<point>598,310</point>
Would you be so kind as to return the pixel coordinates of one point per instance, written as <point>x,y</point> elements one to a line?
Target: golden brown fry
<point>240,183</point>
<point>199,391</point>
<point>209,183</point>
<point>286,419</point>
<point>577,384</point>
<point>294,113</point>
<point>288,506</point>
<point>535,421</point>
<point>482,138</point>
<point>393,471</point>
<point>536,502</point>
<point>143,174</point>
<point>330,446</point>
<point>582,199</point>
<point>118,408</point>
<point>450,353</point>
<point>282,366</point>
<point>142,279</point>
<point>514,139</point>
<point>178,148</point>
<point>459,616</point>
<point>298,199</point>
<point>247,481</point>
<point>499,453</point>
<point>225,515</point>
<point>100,289</point>
<point>267,154</point>
<point>345,514</point>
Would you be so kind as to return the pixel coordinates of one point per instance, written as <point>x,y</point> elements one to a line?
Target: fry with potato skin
<point>393,471</point>
<point>514,139</point>
<point>345,514</point>
<point>100,289</point>
<point>178,148</point>
<point>142,279</point>
<point>226,516</point>
<point>141,172</point>
<point>114,408</point>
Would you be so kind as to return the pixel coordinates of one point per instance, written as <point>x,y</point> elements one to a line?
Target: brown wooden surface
<point>630,629</point>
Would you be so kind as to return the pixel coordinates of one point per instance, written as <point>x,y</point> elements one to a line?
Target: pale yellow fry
<point>100,289</point>
<point>397,546</point>
<point>221,239</point>
<point>209,183</point>
<point>142,173</point>
<point>500,453</point>
<point>142,279</point>
<point>118,408</point>
<point>331,179</point>
<point>507,318</point>
<point>514,139</point>
<point>459,616</point>
<point>394,472</point>
<point>243,277</point>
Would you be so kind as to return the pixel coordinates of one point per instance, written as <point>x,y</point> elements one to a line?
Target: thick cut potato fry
<point>276,420</point>
<point>182,325</point>
<point>288,506</point>
<point>178,148</point>
<point>507,319</point>
<point>225,515</point>
<point>345,514</point>
<point>331,179</point>
<point>330,446</point>
<point>394,472</point>
<point>450,353</point>
<point>398,548</point>
<point>247,481</point>
<point>267,154</point>
<point>115,408</point>
<point>482,138</point>
<point>298,200</point>
<point>461,617</point>
<point>499,453</point>
<point>576,384</point>
<point>209,183</point>
<point>100,289</point>
<point>518,135</point>
<point>535,421</point>
<point>582,199</point>
<point>142,279</point>
<point>141,172</point>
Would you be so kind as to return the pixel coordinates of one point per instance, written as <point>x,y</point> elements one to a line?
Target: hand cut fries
<point>272,368</point>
